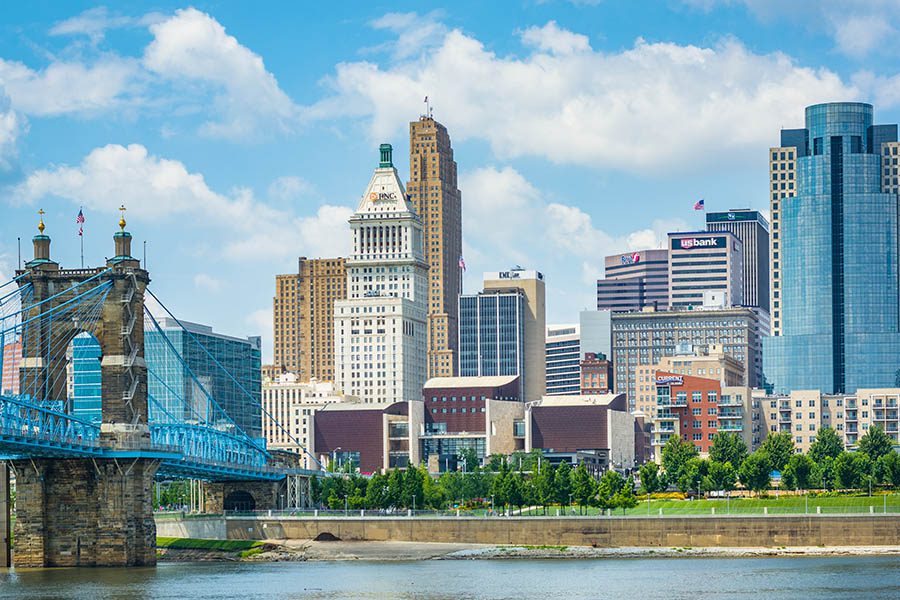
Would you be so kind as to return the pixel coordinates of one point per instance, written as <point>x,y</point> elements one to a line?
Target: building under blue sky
<point>238,138</point>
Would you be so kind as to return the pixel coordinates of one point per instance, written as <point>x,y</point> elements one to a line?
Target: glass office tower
<point>86,391</point>
<point>838,251</point>
<point>491,334</point>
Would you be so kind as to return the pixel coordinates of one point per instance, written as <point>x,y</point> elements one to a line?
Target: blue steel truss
<point>35,428</point>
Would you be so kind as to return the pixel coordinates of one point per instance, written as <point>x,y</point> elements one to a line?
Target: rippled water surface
<point>634,579</point>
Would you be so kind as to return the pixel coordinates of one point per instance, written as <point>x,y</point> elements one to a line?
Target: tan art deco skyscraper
<point>436,198</point>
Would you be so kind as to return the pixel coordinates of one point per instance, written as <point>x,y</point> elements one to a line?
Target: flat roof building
<point>563,359</point>
<point>752,229</point>
<point>634,280</point>
<point>703,265</point>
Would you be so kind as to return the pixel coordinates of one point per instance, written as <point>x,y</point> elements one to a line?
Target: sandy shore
<point>299,550</point>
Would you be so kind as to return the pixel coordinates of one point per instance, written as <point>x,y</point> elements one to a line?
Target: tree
<point>498,485</point>
<point>779,447</point>
<point>728,448</point>
<point>610,484</point>
<point>887,469</point>
<point>395,488</point>
<point>468,460</point>
<point>514,489</point>
<point>798,474</point>
<point>649,474</point>
<point>583,486</point>
<point>433,493</point>
<point>624,498</point>
<point>875,443</point>
<point>562,483</point>
<point>828,443</point>
<point>414,487</point>
<point>675,455</point>
<point>721,477</point>
<point>377,492</point>
<point>824,473</point>
<point>692,474</point>
<point>755,471</point>
<point>542,486</point>
<point>852,470</point>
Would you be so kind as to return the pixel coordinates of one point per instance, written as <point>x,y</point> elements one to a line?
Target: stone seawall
<point>616,532</point>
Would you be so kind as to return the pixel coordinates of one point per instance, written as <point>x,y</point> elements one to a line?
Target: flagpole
<point>81,237</point>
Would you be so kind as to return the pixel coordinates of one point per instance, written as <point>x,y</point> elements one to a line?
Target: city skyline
<point>104,106</point>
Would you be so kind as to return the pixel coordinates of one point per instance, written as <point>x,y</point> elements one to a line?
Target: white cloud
<point>655,106</point>
<point>859,35</point>
<point>208,283</point>
<point>261,321</point>
<point>12,125</point>
<point>289,188</point>
<point>94,22</point>
<point>71,87</point>
<point>414,32</point>
<point>192,48</point>
<point>550,38</point>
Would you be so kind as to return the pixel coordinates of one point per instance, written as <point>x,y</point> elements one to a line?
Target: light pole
<point>414,503</point>
<point>334,459</point>
<point>345,505</point>
<point>492,504</point>
<point>570,500</point>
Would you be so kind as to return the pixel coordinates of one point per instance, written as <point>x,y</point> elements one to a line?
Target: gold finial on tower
<point>122,219</point>
<point>41,224</point>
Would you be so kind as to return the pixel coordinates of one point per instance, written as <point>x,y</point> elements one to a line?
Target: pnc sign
<point>377,196</point>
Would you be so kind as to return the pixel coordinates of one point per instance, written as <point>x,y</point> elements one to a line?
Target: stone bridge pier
<point>92,511</point>
<point>5,531</point>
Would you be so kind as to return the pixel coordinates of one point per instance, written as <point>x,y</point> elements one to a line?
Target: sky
<point>241,135</point>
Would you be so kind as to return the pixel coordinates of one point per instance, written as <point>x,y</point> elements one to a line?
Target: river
<point>833,578</point>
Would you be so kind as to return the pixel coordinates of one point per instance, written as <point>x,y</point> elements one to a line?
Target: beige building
<point>782,184</point>
<point>436,198</point>
<point>289,406</point>
<point>531,283</point>
<point>303,310</point>
<point>804,412</point>
<point>711,363</point>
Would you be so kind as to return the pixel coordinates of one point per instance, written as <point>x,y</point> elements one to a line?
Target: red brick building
<point>686,406</point>
<point>596,374</point>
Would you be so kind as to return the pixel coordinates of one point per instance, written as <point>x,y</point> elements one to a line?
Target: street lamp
<point>334,459</point>
<point>345,505</point>
<point>414,503</point>
<point>492,504</point>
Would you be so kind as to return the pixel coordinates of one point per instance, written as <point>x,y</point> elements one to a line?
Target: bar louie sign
<point>692,243</point>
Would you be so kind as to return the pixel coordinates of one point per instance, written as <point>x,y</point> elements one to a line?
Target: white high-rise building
<point>380,330</point>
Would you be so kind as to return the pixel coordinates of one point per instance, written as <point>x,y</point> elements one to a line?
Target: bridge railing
<point>22,419</point>
<point>209,446</point>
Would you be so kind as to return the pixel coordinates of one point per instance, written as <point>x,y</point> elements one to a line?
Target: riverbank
<point>310,550</point>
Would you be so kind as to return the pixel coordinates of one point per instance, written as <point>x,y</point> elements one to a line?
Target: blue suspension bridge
<point>150,426</point>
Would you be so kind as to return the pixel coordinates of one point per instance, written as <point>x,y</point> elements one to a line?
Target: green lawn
<point>742,506</point>
<point>195,544</point>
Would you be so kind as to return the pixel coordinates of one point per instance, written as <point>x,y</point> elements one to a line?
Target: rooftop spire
<point>122,223</point>
<point>41,223</point>
<point>386,156</point>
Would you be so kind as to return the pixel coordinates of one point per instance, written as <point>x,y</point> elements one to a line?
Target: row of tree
<point>504,482</point>
<point>827,465</point>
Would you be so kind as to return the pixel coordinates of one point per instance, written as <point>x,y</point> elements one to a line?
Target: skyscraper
<point>752,229</point>
<point>437,200</point>
<point>563,360</point>
<point>705,267</point>
<point>379,330</point>
<point>839,306</point>
<point>492,334</point>
<point>303,311</point>
<point>634,280</point>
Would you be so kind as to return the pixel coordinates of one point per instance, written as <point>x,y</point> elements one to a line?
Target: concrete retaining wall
<point>212,528</point>
<point>819,530</point>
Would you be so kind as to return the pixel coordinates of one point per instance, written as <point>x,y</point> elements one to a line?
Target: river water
<point>834,578</point>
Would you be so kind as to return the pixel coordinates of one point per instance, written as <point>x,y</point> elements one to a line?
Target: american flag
<point>462,263</point>
<point>80,220</point>
<point>699,205</point>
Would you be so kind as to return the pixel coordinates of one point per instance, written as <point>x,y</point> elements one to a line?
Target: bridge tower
<point>88,511</point>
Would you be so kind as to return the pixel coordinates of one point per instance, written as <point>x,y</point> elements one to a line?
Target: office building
<point>380,329</point>
<point>214,369</point>
<point>645,338</point>
<point>709,362</point>
<point>596,331</point>
<point>837,289</point>
<point>705,268</point>
<point>436,198</point>
<point>531,283</point>
<point>696,409</point>
<point>782,185</point>
<point>84,378</point>
<point>596,374</point>
<point>635,280</point>
<point>563,360</point>
<point>366,437</point>
<point>752,229</point>
<point>288,417</point>
<point>503,330</point>
<point>804,413</point>
<point>303,310</point>
<point>9,369</point>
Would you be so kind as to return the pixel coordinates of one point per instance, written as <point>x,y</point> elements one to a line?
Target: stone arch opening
<point>240,500</point>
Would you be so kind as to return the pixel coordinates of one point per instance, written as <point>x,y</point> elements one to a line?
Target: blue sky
<point>240,135</point>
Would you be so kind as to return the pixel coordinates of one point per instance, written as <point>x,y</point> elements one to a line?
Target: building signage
<point>630,259</point>
<point>693,243</point>
<point>670,380</point>
<point>510,274</point>
<point>376,196</point>
<point>743,215</point>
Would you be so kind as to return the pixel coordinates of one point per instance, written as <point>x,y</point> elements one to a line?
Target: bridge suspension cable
<point>250,396</point>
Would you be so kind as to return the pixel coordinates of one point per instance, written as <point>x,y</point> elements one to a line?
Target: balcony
<point>730,415</point>
<point>731,427</point>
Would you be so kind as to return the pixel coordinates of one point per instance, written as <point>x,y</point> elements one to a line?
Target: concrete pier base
<point>82,512</point>
<point>5,508</point>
